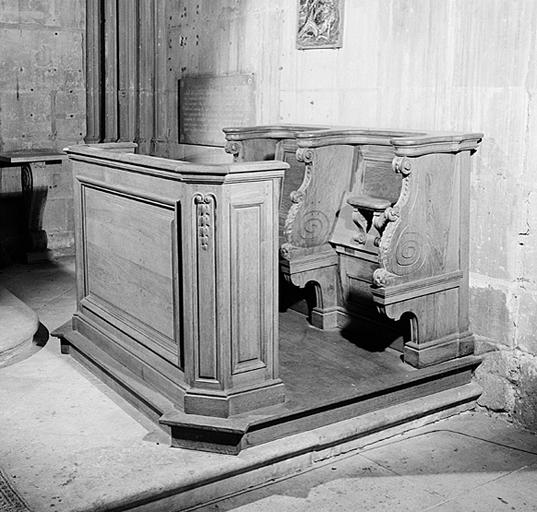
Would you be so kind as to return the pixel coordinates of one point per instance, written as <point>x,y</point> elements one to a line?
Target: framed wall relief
<point>320,24</point>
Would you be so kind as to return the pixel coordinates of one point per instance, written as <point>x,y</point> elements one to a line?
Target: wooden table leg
<point>34,191</point>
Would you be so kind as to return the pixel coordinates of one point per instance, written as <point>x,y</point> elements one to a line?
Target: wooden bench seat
<point>376,221</point>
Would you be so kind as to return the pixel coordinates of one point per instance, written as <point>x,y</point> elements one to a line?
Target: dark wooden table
<point>34,190</point>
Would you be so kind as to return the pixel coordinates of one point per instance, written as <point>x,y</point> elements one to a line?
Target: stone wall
<point>422,64</point>
<point>42,105</point>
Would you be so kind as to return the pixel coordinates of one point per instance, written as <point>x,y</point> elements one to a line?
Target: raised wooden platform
<point>327,378</point>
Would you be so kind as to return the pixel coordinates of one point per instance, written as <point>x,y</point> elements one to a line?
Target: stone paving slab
<point>516,491</point>
<point>450,463</point>
<point>444,467</point>
<point>39,284</point>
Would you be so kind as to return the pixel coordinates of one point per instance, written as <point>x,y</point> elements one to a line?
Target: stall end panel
<point>129,263</point>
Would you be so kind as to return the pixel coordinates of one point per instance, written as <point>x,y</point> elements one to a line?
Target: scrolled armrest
<point>369,210</point>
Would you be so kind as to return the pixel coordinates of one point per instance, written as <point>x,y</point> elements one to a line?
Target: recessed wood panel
<point>379,179</point>
<point>246,276</point>
<point>129,258</point>
<point>251,259</point>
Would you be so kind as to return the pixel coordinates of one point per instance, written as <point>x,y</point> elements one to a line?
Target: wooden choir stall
<point>179,267</point>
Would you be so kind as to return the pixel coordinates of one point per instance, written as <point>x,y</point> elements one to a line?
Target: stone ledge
<point>19,325</point>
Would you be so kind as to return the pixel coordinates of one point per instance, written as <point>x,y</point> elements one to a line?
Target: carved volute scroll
<point>402,165</point>
<point>234,148</point>
<point>362,224</point>
<point>406,247</point>
<point>381,277</point>
<point>305,155</point>
<point>368,212</point>
<point>297,197</point>
<point>388,223</point>
<point>381,220</point>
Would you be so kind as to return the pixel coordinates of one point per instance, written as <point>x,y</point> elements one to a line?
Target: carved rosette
<point>205,217</point>
<point>234,148</point>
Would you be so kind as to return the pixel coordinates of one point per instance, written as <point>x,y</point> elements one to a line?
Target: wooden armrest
<point>375,204</point>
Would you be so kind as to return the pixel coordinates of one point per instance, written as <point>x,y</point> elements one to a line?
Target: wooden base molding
<point>232,434</point>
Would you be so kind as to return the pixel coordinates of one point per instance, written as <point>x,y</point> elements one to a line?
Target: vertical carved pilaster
<point>204,212</point>
<point>127,70</point>
<point>146,45</point>
<point>160,135</point>
<point>206,365</point>
<point>93,72</point>
<point>110,72</point>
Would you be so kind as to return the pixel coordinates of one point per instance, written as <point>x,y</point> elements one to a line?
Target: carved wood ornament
<point>392,217</point>
<point>205,213</point>
<point>400,228</point>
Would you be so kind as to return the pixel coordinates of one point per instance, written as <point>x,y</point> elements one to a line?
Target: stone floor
<point>68,443</point>
<point>48,288</point>
<point>19,324</point>
<point>469,462</point>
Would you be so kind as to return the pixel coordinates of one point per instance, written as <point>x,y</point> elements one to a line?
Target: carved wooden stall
<point>377,220</point>
<point>179,264</point>
<point>177,279</point>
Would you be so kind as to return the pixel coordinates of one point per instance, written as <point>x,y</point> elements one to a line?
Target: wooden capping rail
<point>405,142</point>
<point>281,131</point>
<point>178,167</point>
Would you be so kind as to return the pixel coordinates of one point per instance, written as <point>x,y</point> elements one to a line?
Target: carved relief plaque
<point>320,24</point>
<point>208,104</point>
